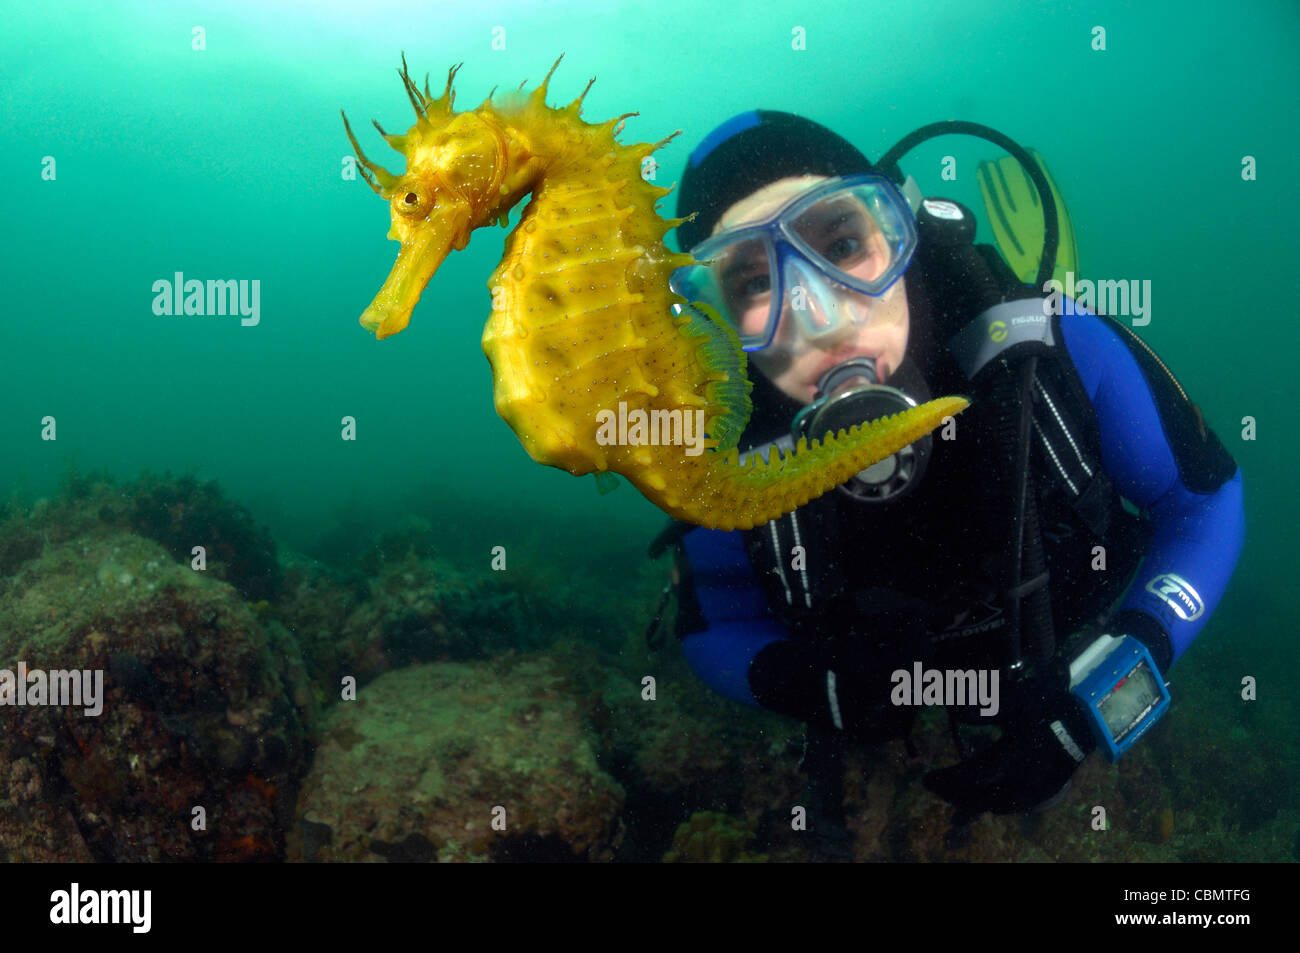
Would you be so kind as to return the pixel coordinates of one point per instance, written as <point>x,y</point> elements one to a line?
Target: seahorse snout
<point>420,257</point>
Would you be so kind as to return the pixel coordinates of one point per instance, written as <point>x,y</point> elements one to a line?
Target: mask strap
<point>912,192</point>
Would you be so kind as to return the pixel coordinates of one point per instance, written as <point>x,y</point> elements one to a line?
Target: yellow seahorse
<point>582,318</point>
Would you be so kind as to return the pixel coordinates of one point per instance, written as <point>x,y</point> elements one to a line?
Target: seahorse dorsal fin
<point>721,355</point>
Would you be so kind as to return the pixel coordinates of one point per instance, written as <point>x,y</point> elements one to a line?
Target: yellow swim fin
<point>1015,215</point>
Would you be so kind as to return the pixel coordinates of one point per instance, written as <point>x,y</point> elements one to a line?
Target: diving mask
<point>856,233</point>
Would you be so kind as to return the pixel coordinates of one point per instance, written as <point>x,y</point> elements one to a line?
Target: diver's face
<point>794,363</point>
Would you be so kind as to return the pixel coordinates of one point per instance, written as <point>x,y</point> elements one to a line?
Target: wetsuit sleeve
<point>729,623</point>
<point>1161,456</point>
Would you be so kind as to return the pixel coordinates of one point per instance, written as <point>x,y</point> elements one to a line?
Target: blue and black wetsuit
<point>923,572</point>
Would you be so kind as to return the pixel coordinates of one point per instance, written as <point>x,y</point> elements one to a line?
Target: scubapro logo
<point>1178,593</point>
<point>998,330</point>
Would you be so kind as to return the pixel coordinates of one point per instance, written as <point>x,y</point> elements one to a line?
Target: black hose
<point>888,164</point>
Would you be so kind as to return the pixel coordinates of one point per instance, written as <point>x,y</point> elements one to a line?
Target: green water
<point>225,163</point>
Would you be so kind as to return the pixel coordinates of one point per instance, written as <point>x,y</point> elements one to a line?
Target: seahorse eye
<point>414,202</point>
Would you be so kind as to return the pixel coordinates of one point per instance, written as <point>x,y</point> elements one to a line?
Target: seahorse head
<point>463,170</point>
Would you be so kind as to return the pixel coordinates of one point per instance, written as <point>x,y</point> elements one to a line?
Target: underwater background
<point>373,557</point>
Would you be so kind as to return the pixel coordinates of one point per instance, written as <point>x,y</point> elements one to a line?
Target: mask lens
<point>743,273</point>
<point>735,278</point>
<point>840,232</point>
<point>857,235</point>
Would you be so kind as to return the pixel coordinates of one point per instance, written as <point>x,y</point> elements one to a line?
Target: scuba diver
<point>1000,543</point>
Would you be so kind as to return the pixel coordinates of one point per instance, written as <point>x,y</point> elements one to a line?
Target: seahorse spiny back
<point>582,319</point>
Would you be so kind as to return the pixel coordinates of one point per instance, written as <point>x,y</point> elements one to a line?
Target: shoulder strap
<point>1005,331</point>
<point>1000,351</point>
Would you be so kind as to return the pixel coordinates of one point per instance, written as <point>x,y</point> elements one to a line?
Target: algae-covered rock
<point>709,837</point>
<point>676,748</point>
<point>403,620</point>
<point>178,512</point>
<point>201,707</point>
<point>893,818</point>
<point>458,762</point>
<point>412,609</point>
<point>183,513</point>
